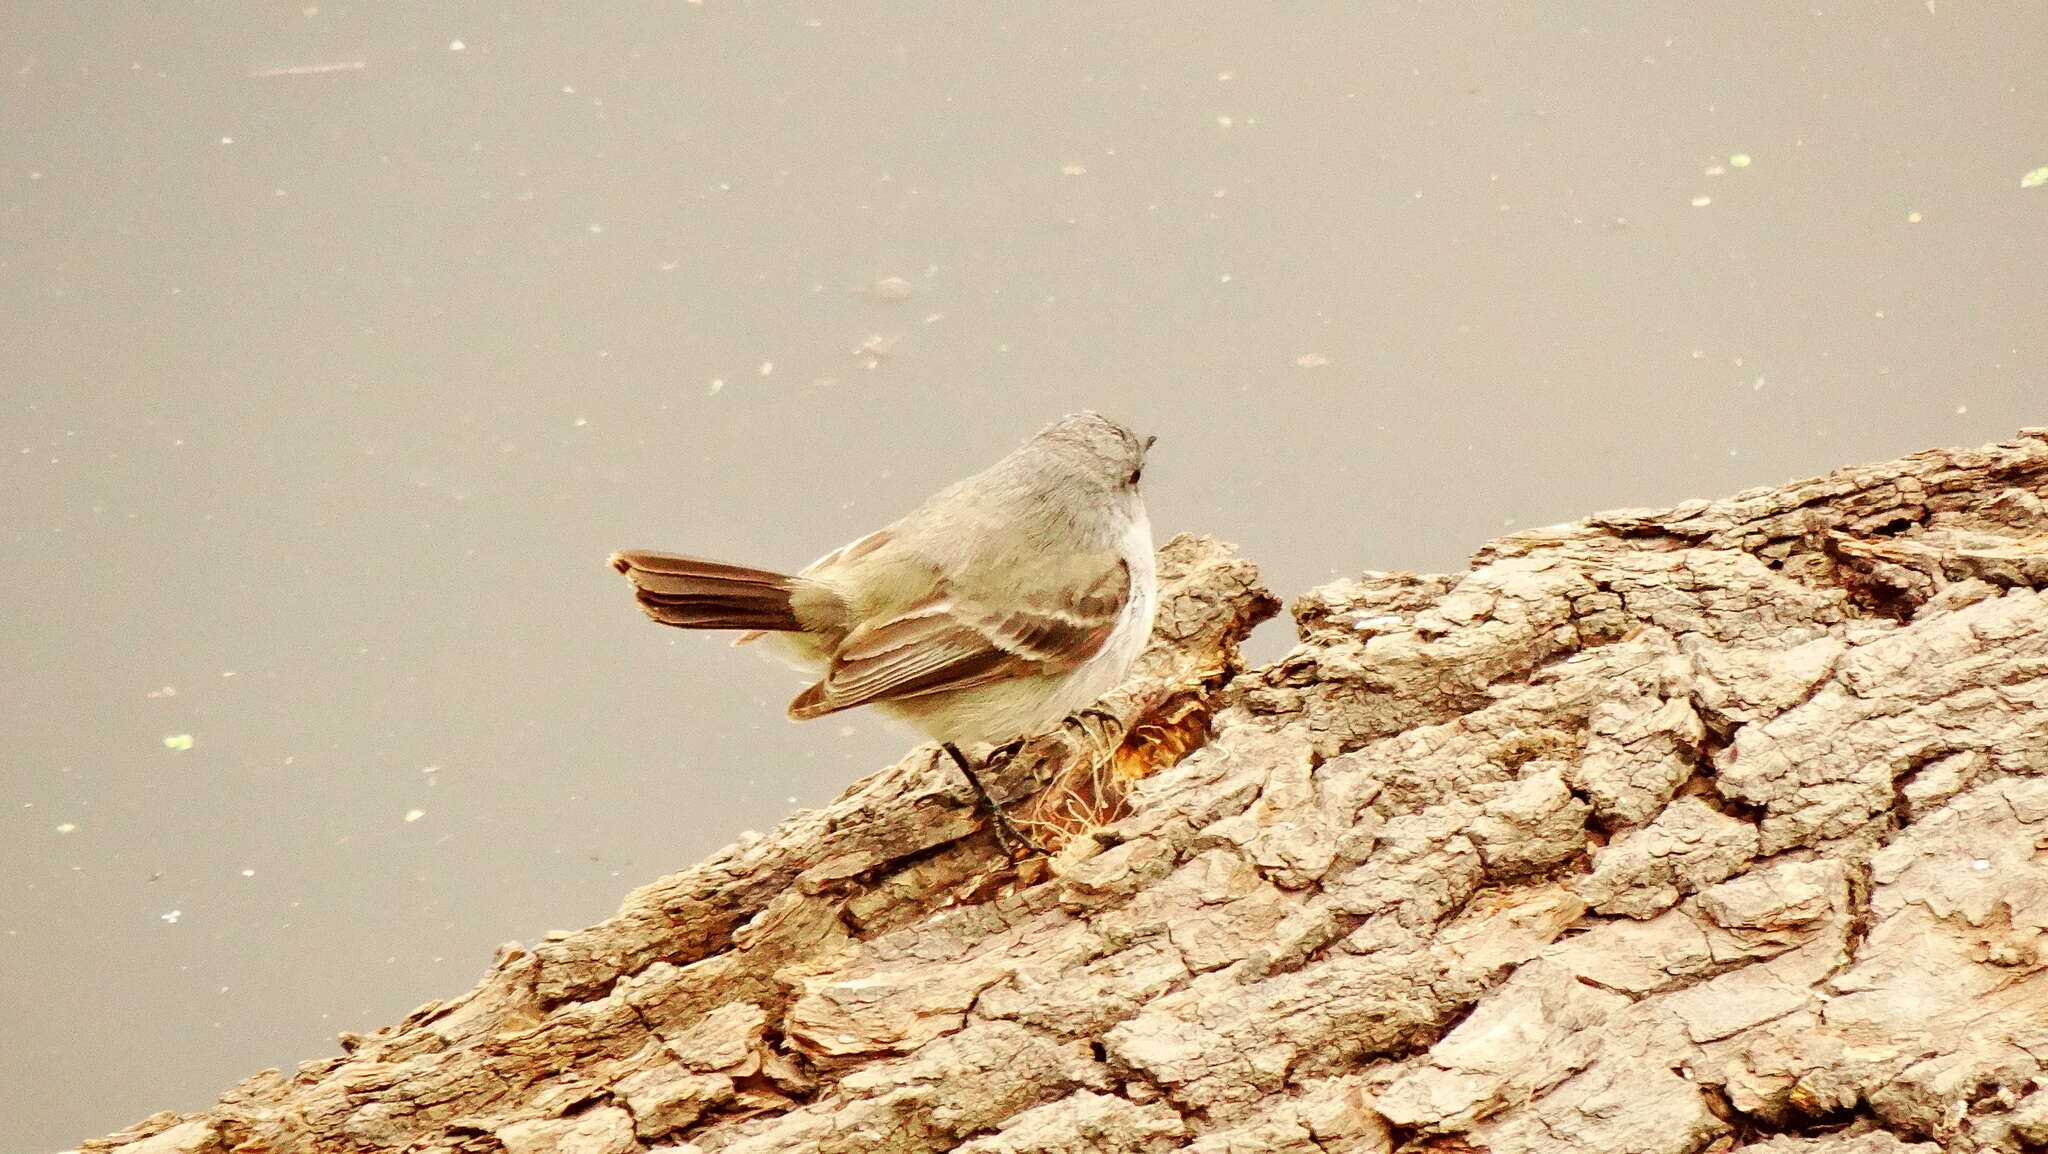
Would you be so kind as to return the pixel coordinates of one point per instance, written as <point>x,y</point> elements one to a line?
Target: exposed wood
<point>1723,827</point>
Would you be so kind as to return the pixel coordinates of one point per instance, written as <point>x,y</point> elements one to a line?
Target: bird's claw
<point>1008,836</point>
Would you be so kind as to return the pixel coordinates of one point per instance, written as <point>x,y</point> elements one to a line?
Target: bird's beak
<point>1148,443</point>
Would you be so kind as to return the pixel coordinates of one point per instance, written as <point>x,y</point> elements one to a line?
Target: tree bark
<point>1722,827</point>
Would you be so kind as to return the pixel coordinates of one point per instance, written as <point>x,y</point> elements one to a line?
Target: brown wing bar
<point>946,645</point>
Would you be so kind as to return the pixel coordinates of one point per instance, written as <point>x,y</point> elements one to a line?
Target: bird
<point>1001,606</point>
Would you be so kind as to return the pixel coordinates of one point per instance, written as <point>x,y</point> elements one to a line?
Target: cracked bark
<point>1711,828</point>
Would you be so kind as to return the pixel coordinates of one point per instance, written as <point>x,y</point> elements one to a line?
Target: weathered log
<point>1712,828</point>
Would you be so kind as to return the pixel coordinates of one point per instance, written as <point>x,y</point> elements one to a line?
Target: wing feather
<point>951,643</point>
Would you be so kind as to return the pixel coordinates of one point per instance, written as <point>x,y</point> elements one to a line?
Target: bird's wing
<point>952,642</point>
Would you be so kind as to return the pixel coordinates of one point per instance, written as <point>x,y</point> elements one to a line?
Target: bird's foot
<point>1008,835</point>
<point>1079,720</point>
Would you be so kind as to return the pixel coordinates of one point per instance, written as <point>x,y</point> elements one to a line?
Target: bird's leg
<point>1006,830</point>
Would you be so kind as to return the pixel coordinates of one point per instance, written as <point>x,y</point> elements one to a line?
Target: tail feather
<point>690,593</point>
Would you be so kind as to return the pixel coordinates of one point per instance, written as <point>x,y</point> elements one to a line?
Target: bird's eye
<point>1135,473</point>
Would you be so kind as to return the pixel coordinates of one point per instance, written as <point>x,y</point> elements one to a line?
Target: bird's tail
<point>692,594</point>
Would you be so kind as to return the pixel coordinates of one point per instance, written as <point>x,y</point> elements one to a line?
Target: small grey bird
<point>992,612</point>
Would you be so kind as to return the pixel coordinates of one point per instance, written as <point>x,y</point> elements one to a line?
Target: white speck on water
<point>1980,864</point>
<point>767,367</point>
<point>581,421</point>
<point>1311,360</point>
<point>456,46</point>
<point>1223,122</point>
<point>1073,170</point>
<point>68,827</point>
<point>717,383</point>
<point>1914,218</point>
<point>248,873</point>
<point>1757,385</point>
<point>1223,278</point>
<point>1961,409</point>
<point>791,799</point>
<point>1226,74</point>
<point>1739,160</point>
<point>1702,201</point>
<point>171,917</point>
<point>227,140</point>
<point>415,814</point>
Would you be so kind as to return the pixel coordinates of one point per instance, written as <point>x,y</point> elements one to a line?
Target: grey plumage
<point>997,607</point>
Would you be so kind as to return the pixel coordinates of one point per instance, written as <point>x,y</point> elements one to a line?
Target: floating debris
<point>877,348</point>
<point>891,288</point>
<point>311,69</point>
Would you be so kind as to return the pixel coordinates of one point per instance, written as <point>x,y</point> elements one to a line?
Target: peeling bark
<point>1713,828</point>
